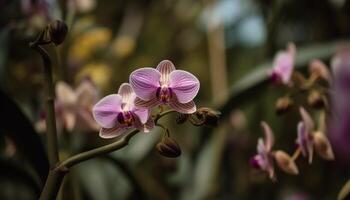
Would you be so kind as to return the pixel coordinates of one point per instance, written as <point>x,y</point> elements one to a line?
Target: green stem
<point>56,175</point>
<point>162,115</point>
<point>50,110</point>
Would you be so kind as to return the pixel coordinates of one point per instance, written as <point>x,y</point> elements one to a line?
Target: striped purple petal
<point>186,108</point>
<point>184,84</point>
<point>165,67</point>
<point>105,111</point>
<point>145,82</point>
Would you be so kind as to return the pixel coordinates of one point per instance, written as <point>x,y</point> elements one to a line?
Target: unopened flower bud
<point>322,146</point>
<point>207,116</point>
<point>315,99</point>
<point>286,163</point>
<point>168,148</point>
<point>57,31</point>
<point>283,104</point>
<point>182,118</point>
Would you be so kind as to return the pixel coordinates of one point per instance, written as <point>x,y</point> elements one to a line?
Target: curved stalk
<point>50,110</point>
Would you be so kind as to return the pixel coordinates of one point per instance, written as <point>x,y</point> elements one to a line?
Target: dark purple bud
<point>207,116</point>
<point>58,31</point>
<point>168,148</point>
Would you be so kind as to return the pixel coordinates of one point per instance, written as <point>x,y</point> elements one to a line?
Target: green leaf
<point>15,125</point>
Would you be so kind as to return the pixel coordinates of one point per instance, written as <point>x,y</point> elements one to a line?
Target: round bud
<point>322,146</point>
<point>286,163</point>
<point>58,31</point>
<point>168,148</point>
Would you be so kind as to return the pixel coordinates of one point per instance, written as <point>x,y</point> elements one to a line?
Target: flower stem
<point>57,174</point>
<point>50,110</point>
<point>296,154</point>
<point>160,115</point>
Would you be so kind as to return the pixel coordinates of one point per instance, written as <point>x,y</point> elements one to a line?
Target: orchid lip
<point>126,118</point>
<point>164,94</point>
<point>255,163</point>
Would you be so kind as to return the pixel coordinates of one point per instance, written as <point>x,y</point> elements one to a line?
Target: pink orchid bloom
<point>305,137</point>
<point>264,159</point>
<point>73,107</point>
<point>165,85</point>
<point>117,112</point>
<point>283,65</point>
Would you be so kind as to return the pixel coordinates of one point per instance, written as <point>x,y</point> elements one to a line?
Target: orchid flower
<point>305,137</point>
<point>264,159</point>
<point>165,85</point>
<point>73,107</point>
<point>283,65</point>
<point>117,112</point>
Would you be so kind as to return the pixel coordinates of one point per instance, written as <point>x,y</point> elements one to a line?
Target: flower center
<point>164,94</point>
<point>125,118</point>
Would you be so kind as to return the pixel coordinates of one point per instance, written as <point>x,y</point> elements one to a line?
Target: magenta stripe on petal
<point>111,132</point>
<point>146,104</point>
<point>184,84</point>
<point>165,67</point>
<point>145,82</point>
<point>106,110</point>
<point>186,108</point>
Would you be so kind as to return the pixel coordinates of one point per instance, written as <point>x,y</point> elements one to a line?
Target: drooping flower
<point>165,85</point>
<point>73,107</point>
<point>308,139</point>
<point>117,112</point>
<point>264,159</point>
<point>305,138</point>
<point>283,65</point>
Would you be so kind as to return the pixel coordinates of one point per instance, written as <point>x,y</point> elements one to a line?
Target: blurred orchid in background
<point>339,123</point>
<point>305,139</point>
<point>283,65</point>
<point>308,139</point>
<point>265,158</point>
<point>165,85</point>
<point>117,112</point>
<point>73,107</point>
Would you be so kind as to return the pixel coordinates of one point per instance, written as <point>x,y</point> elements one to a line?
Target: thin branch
<point>50,110</point>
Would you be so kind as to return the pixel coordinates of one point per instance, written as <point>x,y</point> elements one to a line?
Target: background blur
<point>227,44</point>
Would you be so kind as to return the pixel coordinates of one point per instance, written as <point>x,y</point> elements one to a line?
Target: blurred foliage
<point>109,39</point>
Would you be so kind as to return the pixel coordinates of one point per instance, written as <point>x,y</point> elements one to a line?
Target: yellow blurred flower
<point>123,46</point>
<point>89,42</point>
<point>100,74</point>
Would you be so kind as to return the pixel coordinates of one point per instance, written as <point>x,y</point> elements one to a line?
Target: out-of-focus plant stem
<point>50,109</point>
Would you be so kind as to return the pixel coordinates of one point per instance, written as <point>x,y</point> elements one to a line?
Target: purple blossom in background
<point>339,124</point>
<point>264,159</point>
<point>117,112</point>
<point>283,65</point>
<point>73,107</point>
<point>165,85</point>
<point>305,138</point>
